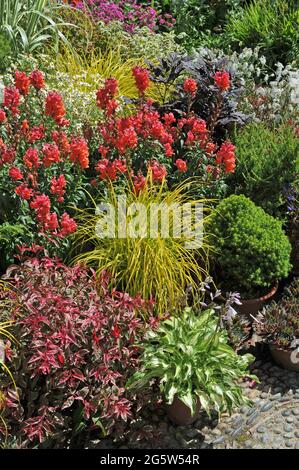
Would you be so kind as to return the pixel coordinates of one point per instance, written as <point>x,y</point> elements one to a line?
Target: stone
<point>236,422</point>
<point>278,442</point>
<point>252,418</point>
<point>261,429</point>
<point>296,433</point>
<point>288,436</point>
<point>288,428</point>
<point>237,432</point>
<point>267,406</point>
<point>290,419</point>
<point>191,433</point>
<point>295,411</point>
<point>277,430</point>
<point>244,410</point>
<point>264,395</point>
<point>265,439</point>
<point>286,413</point>
<point>289,444</point>
<point>275,397</point>
<point>284,399</point>
<point>219,440</point>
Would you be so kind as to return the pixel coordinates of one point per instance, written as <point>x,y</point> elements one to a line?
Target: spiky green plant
<point>31,24</point>
<point>146,264</point>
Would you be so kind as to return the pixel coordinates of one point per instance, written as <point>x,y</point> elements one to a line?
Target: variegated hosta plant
<point>191,358</point>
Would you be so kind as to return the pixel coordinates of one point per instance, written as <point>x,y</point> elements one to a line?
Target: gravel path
<point>272,422</point>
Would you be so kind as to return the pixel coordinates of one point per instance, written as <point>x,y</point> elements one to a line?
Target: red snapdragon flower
<point>181,165</point>
<point>139,182</point>
<point>68,225</point>
<point>37,79</point>
<point>36,133</point>
<point>55,107</point>
<point>141,76</point>
<point>22,82</point>
<point>12,99</point>
<point>24,192</point>
<point>15,173</point>
<point>106,94</point>
<point>106,169</point>
<point>42,206</point>
<point>2,116</point>
<point>31,158</point>
<point>190,86</point>
<point>50,222</point>
<point>79,152</point>
<point>158,171</point>
<point>51,154</point>
<point>58,187</point>
<point>226,155</point>
<point>222,80</point>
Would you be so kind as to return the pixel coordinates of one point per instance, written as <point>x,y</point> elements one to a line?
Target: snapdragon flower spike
<point>222,80</point>
<point>142,81</point>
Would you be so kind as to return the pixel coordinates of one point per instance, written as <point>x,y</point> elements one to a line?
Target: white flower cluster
<point>270,95</point>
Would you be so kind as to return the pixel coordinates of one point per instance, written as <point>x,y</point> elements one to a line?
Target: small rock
<point>244,410</point>
<point>289,444</point>
<point>237,431</point>
<point>286,413</point>
<point>253,417</point>
<point>219,440</point>
<point>290,419</point>
<point>265,439</point>
<point>284,399</point>
<point>296,433</point>
<point>236,422</point>
<point>271,380</point>
<point>295,411</point>
<point>192,433</point>
<point>288,428</point>
<point>278,442</point>
<point>288,436</point>
<point>248,444</point>
<point>267,406</point>
<point>275,397</point>
<point>261,429</point>
<point>277,430</point>
<point>264,395</point>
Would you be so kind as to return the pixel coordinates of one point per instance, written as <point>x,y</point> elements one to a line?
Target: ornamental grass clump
<point>148,263</point>
<point>190,358</point>
<point>250,246</point>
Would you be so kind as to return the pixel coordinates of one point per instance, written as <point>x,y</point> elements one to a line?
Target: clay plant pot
<point>283,358</point>
<point>180,414</point>
<point>252,306</point>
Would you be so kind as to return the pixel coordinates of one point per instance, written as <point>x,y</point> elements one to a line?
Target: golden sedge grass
<point>95,67</point>
<point>161,268</point>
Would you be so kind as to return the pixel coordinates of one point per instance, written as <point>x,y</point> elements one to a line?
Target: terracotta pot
<point>180,414</point>
<point>252,306</point>
<point>283,358</point>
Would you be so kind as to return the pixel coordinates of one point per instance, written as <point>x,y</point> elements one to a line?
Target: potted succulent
<point>251,250</point>
<point>195,366</point>
<point>278,326</point>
